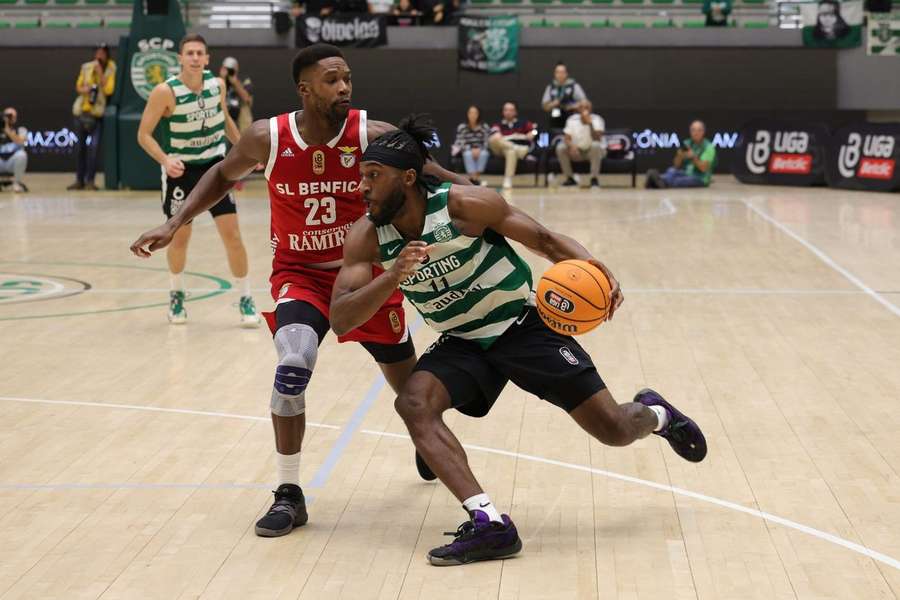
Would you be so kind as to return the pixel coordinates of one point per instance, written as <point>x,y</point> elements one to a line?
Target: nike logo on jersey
<point>437,193</point>
<point>288,153</point>
<point>392,251</point>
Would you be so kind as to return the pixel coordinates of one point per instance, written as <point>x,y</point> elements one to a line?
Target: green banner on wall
<point>489,44</point>
<point>150,57</point>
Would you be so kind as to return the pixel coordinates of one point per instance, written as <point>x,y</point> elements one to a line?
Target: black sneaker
<point>478,539</point>
<point>681,432</point>
<point>287,512</point>
<point>569,182</point>
<point>654,180</point>
<point>425,471</point>
<point>595,182</point>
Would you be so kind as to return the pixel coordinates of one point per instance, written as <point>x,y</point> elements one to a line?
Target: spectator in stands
<point>13,158</point>
<point>238,94</point>
<point>583,141</point>
<point>472,142</point>
<point>434,11</point>
<point>511,138</point>
<point>562,97</point>
<point>406,14</point>
<point>693,165</point>
<point>312,8</point>
<point>717,12</point>
<point>351,6</point>
<point>381,7</point>
<point>96,83</point>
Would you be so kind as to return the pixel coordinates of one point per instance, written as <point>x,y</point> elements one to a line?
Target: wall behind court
<point>641,88</point>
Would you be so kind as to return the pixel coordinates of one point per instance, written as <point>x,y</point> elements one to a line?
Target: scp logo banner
<point>781,153</point>
<point>864,156</point>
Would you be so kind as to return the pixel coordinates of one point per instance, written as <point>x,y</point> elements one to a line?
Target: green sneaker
<point>177,314</point>
<point>249,317</point>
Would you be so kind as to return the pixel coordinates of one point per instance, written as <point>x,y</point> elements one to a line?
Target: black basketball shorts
<point>542,362</point>
<point>175,191</point>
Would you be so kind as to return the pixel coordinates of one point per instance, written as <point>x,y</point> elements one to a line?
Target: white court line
<point>826,259</point>
<point>182,411</point>
<point>858,548</point>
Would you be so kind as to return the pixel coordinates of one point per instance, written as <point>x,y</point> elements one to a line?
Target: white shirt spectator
<point>580,132</point>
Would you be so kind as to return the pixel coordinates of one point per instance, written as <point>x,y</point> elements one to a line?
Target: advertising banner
<point>864,156</point>
<point>358,30</point>
<point>781,153</point>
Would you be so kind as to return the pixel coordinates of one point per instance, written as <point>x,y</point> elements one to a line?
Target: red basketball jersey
<point>313,191</point>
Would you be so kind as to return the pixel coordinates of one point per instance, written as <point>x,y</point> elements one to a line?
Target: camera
<point>230,72</point>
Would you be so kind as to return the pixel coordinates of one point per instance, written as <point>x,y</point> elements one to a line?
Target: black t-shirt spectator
<point>351,6</point>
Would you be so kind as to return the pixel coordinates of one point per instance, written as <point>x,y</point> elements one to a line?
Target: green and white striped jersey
<point>196,129</point>
<point>471,287</point>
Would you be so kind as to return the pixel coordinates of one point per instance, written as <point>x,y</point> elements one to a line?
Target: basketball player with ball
<point>445,246</point>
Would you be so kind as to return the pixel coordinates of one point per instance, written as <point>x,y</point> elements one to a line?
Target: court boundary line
<point>820,254</point>
<point>769,517</point>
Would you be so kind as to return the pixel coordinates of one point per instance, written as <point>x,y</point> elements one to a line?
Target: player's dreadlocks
<point>405,148</point>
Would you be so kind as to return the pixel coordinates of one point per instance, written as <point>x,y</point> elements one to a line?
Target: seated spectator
<point>511,138</point>
<point>434,12</point>
<point>381,7</point>
<point>406,14</point>
<point>717,12</point>
<point>583,142</point>
<point>13,158</point>
<point>562,97</point>
<point>313,8</point>
<point>472,142</point>
<point>351,6</point>
<point>693,165</point>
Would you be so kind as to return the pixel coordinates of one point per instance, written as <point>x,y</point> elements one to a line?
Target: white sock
<point>175,281</point>
<point>662,416</point>
<point>483,503</point>
<point>288,468</point>
<point>242,284</point>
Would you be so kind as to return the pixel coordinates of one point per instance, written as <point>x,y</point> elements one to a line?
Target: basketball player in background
<point>196,122</point>
<point>446,248</point>
<point>312,167</point>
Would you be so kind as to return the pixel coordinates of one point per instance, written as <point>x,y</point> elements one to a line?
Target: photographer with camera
<point>12,149</point>
<point>96,84</point>
<point>693,164</point>
<point>238,94</point>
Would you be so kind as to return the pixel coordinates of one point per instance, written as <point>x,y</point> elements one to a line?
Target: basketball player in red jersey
<point>311,160</point>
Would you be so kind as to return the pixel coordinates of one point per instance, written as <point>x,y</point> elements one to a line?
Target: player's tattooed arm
<point>251,149</point>
<point>356,295</point>
<point>475,209</point>
<point>376,129</point>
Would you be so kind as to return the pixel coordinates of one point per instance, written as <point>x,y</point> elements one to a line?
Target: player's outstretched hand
<point>156,238</point>
<point>409,259</point>
<point>616,296</point>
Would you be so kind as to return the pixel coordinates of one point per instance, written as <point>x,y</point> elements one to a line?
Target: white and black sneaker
<point>288,511</point>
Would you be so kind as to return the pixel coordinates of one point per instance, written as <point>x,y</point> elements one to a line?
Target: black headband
<point>393,158</point>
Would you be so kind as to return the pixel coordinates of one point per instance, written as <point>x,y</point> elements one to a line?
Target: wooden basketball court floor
<point>135,456</point>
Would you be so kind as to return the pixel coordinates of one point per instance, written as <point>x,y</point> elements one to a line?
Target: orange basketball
<point>573,297</point>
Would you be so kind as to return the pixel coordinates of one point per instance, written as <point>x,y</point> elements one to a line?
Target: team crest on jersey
<point>318,162</point>
<point>348,158</point>
<point>443,233</point>
<point>396,325</point>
